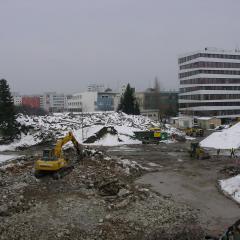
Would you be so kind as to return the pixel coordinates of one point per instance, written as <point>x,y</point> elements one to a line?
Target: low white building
<point>83,102</point>
<point>182,122</point>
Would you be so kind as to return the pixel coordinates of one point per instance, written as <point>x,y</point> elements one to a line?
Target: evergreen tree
<point>128,103</point>
<point>8,125</point>
<point>136,108</point>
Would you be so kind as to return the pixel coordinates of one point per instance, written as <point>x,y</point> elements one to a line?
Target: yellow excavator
<point>53,161</point>
<point>198,152</point>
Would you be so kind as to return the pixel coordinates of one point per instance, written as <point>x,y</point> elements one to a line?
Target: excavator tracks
<point>55,175</point>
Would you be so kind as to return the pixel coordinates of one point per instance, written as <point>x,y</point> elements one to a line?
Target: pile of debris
<point>230,171</point>
<point>90,127</point>
<point>103,133</point>
<point>97,200</point>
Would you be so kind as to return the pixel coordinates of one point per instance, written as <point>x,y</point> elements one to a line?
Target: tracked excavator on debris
<point>53,161</point>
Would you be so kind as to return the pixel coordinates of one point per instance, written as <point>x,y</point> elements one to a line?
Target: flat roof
<point>211,50</point>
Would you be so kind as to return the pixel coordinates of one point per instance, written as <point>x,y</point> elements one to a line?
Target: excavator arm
<point>69,137</point>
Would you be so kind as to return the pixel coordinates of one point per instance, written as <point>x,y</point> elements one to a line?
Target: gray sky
<point>64,45</point>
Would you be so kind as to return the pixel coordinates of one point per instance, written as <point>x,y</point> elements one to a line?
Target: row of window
<point>210,65</point>
<point>197,88</point>
<point>213,113</point>
<point>207,55</point>
<point>76,97</point>
<point>190,105</point>
<point>74,103</point>
<point>211,81</point>
<point>210,97</point>
<point>191,73</point>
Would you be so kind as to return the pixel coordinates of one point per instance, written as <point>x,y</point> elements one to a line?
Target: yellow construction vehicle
<point>194,131</point>
<point>53,161</point>
<point>198,152</point>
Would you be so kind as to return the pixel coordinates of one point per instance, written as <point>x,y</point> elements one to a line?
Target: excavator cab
<point>48,155</point>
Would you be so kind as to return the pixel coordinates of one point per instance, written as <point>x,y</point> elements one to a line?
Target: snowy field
<point>52,127</point>
<point>4,158</point>
<point>226,139</point>
<point>231,187</point>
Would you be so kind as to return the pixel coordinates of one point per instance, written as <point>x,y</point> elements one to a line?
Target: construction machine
<point>53,161</point>
<point>198,152</point>
<point>194,131</point>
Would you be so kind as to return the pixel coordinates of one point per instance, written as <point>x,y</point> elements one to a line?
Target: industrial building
<point>210,83</point>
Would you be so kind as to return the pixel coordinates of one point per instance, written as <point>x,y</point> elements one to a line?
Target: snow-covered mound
<point>4,158</point>
<point>51,127</point>
<point>227,139</point>
<point>231,187</point>
<point>41,129</point>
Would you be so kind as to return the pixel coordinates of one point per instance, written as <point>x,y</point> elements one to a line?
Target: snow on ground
<point>231,187</point>
<point>43,128</point>
<point>4,158</point>
<point>26,140</point>
<point>83,125</point>
<point>227,139</point>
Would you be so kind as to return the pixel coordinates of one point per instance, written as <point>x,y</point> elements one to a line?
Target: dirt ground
<point>132,192</point>
<point>185,180</point>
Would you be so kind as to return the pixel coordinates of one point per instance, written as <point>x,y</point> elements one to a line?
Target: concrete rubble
<point>97,200</point>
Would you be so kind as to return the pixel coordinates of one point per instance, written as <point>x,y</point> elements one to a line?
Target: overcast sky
<point>64,45</point>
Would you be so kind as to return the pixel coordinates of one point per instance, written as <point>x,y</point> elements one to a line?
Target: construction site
<point>115,186</point>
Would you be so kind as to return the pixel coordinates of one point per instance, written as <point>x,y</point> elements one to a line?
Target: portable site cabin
<point>182,122</point>
<point>208,122</point>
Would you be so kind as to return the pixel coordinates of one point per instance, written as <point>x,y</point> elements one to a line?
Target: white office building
<point>83,102</point>
<point>53,102</point>
<point>210,83</point>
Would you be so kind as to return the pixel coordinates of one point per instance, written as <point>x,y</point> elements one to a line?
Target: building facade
<point>105,101</point>
<point>17,100</point>
<point>91,102</point>
<point>53,102</point>
<point>95,88</point>
<point>210,83</point>
<point>31,101</point>
<point>156,104</point>
<point>83,102</point>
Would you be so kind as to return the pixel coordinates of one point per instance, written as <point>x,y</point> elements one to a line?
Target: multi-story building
<point>31,101</point>
<point>95,88</point>
<point>210,83</point>
<point>91,101</point>
<point>83,102</point>
<point>106,100</point>
<point>157,104</point>
<point>53,102</point>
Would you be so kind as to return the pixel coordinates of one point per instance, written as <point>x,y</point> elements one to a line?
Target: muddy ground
<point>193,182</point>
<point>159,194</point>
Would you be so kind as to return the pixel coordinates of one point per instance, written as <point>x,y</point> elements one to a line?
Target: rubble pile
<point>97,200</point>
<point>102,133</point>
<point>88,127</point>
<point>230,171</point>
